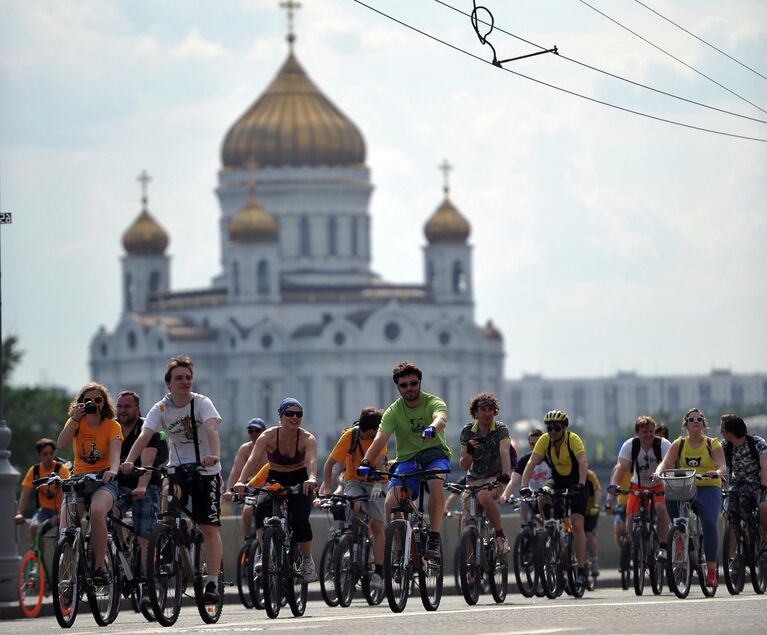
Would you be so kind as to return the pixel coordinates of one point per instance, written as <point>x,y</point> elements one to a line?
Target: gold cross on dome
<point>290,6</point>
<point>445,168</point>
<point>144,179</point>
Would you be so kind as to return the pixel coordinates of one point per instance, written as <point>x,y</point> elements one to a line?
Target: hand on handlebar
<point>364,468</point>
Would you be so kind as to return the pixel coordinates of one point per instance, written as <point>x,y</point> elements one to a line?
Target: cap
<point>256,423</point>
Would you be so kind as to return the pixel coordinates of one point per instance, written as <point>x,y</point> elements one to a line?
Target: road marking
<point>540,631</point>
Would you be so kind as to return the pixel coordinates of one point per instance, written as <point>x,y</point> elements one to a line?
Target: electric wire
<point>559,88</point>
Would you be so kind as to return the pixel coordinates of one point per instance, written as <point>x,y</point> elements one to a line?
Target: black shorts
<point>577,501</point>
<point>204,490</point>
<point>590,523</point>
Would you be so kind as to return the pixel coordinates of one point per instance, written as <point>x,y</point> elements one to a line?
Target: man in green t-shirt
<point>417,420</point>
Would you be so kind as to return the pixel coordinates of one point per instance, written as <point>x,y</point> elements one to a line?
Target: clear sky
<point>603,241</point>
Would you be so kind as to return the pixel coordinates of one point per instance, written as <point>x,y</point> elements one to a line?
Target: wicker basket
<point>679,485</point>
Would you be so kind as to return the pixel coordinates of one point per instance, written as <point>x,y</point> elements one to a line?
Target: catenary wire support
<point>490,22</point>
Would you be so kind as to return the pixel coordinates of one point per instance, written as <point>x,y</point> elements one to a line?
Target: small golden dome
<point>145,237</point>
<point>253,224</point>
<point>447,225</point>
<point>293,123</point>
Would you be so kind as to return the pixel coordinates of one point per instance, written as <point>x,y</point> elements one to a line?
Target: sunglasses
<point>409,384</point>
<point>554,428</point>
<point>98,399</point>
<point>294,413</point>
<point>255,430</point>
<point>694,419</point>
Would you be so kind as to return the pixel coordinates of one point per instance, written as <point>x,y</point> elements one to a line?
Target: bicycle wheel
<point>255,584</point>
<point>66,581</point>
<point>733,558</point>
<point>430,579</point>
<point>327,573</point>
<point>656,569</point>
<point>164,574</point>
<point>397,570</point>
<point>104,599</point>
<point>701,569</point>
<point>271,571</point>
<point>30,585</point>
<point>343,570</point>
<point>625,563</point>
<point>297,588</point>
<point>499,576</point>
<point>757,562</point>
<point>373,592</point>
<point>547,563</point>
<point>242,576</point>
<point>524,563</point>
<point>678,566</point>
<point>210,612</point>
<point>638,557</point>
<point>574,587</point>
<point>469,565</point>
<point>456,572</point>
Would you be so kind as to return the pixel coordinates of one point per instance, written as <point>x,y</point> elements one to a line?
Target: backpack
<point>57,465</point>
<point>708,447</point>
<point>636,445</point>
<point>355,439</point>
<point>751,442</point>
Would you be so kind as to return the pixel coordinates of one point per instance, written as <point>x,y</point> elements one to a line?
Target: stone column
<point>9,557</point>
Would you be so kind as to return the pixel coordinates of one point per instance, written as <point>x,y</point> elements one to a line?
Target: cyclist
<point>746,458</point>
<point>640,457</point>
<point>255,427</point>
<point>96,439</point>
<point>348,451</point>
<point>191,423</point>
<point>703,454</point>
<point>541,474</point>
<point>661,430</point>
<point>418,421</point>
<point>485,457</point>
<point>48,497</point>
<point>593,498</point>
<point>291,461</point>
<point>569,470</point>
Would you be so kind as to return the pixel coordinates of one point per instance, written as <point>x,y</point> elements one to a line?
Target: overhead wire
<point>608,73</point>
<point>671,55</point>
<point>700,39</point>
<point>559,88</point>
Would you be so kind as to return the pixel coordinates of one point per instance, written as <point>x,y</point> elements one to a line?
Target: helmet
<point>556,416</point>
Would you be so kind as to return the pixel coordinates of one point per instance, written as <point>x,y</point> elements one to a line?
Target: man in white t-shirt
<point>192,442</point>
<point>541,474</point>
<point>641,456</point>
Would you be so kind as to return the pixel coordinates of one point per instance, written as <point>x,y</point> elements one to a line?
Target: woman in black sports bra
<point>292,454</point>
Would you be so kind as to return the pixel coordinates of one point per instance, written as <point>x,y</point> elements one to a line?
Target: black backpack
<point>635,447</point>
<point>355,439</point>
<point>751,442</point>
<point>681,447</point>
<point>57,465</point>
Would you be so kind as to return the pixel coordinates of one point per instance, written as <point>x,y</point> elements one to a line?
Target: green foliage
<point>11,356</point>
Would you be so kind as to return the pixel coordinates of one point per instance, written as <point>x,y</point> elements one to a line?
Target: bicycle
<point>73,561</point>
<point>33,580</point>
<point>685,538</point>
<point>337,509</point>
<point>556,559</point>
<point>741,543</point>
<point>406,543</point>
<point>175,556</point>
<point>525,550</point>
<point>645,543</point>
<point>625,565</point>
<point>478,556</point>
<point>248,585</point>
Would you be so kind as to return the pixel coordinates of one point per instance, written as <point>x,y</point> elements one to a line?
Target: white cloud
<point>197,47</point>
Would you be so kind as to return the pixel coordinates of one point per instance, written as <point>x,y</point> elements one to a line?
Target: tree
<point>11,356</point>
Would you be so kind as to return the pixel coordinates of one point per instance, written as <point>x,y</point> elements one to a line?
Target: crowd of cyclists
<point>164,471</point>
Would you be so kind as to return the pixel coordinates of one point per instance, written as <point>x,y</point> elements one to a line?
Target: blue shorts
<point>412,465</point>
<point>619,515</point>
<point>144,510</point>
<point>93,486</point>
<point>42,514</point>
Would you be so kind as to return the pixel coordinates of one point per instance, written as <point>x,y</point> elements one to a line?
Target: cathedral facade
<point>295,309</point>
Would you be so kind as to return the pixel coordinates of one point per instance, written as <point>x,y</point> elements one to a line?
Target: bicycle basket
<point>679,485</point>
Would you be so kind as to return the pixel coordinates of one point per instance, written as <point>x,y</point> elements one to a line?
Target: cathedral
<point>295,308</point>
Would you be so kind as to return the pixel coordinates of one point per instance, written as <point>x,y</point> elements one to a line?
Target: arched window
<point>459,278</point>
<point>128,290</point>
<point>154,281</point>
<point>355,236</point>
<point>236,278</point>
<point>305,238</point>
<point>262,277</point>
<point>332,236</point>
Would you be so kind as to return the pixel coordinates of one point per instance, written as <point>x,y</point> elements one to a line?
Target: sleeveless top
<point>277,458</point>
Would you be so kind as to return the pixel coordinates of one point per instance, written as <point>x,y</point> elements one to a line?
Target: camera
<point>90,407</point>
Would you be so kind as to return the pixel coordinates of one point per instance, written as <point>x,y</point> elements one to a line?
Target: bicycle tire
<point>297,588</point>
<point>164,574</point>
<point>397,571</point>
<point>254,579</point>
<point>638,558</point>
<point>499,576</point>
<point>327,573</point>
<point>547,561</point>
<point>708,590</point>
<point>678,566</point>
<point>757,563</point>
<point>241,574</point>
<point>210,612</point>
<point>66,582</point>
<point>343,570</point>
<point>575,588</point>
<point>657,569</point>
<point>733,558</point>
<point>373,595</point>
<point>469,565</point>
<point>104,600</point>
<point>456,572</point>
<point>625,563</point>
<point>524,563</point>
<point>271,571</point>
<point>30,584</point>
<point>430,580</point>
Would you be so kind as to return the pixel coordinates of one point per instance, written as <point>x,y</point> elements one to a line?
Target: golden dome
<point>253,224</point>
<point>447,225</point>
<point>145,237</point>
<point>293,123</point>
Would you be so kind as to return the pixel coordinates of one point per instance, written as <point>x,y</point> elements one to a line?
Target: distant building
<point>607,404</point>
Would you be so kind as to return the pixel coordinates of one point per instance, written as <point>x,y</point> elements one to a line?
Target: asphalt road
<point>604,611</point>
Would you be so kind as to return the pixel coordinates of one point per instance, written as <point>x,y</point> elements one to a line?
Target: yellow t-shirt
<point>259,480</point>
<point>699,459</point>
<point>561,463</point>
<point>625,483</point>
<point>351,462</point>
<point>91,445</point>
<point>592,485</point>
<point>48,497</point>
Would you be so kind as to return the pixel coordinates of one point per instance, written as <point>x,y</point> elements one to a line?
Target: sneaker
<point>100,577</point>
<point>712,579</point>
<point>580,579</point>
<point>376,582</point>
<point>433,546</point>
<point>308,570</point>
<point>501,546</point>
<point>211,595</point>
<point>594,568</point>
<point>662,554</point>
